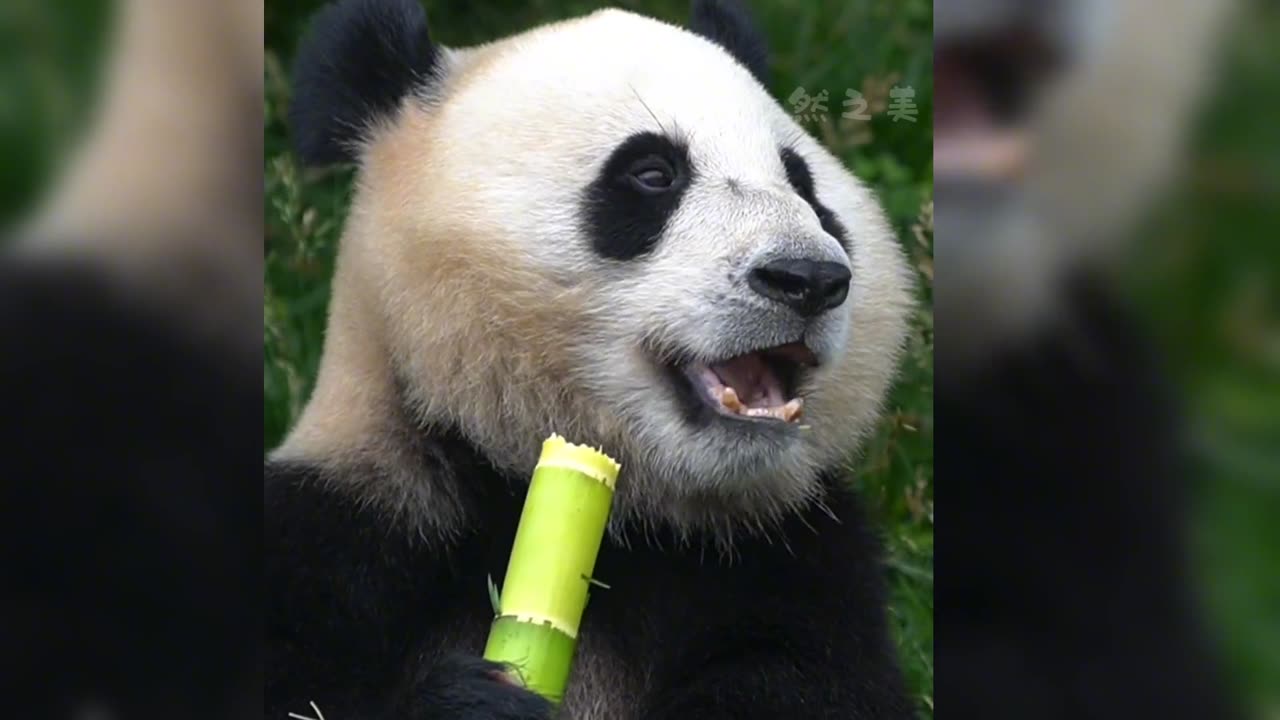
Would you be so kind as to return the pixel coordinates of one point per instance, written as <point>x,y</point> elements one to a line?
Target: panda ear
<point>730,25</point>
<point>358,60</point>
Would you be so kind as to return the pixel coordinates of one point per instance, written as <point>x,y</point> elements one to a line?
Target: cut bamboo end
<point>558,452</point>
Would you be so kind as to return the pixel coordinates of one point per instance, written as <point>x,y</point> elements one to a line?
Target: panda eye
<point>652,175</point>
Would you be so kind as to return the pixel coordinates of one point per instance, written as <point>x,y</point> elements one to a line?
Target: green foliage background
<point>865,45</point>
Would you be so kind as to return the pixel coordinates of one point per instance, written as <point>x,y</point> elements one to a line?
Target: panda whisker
<point>826,509</point>
<point>647,108</point>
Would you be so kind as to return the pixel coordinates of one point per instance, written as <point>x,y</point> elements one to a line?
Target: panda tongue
<point>752,379</point>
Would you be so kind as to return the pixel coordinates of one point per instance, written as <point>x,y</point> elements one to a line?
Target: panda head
<point>596,228</point>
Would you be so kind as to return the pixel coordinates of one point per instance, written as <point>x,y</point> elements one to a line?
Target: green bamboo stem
<point>552,559</point>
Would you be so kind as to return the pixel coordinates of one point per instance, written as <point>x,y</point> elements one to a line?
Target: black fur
<point>1061,590</point>
<point>358,61</point>
<point>351,598</point>
<point>623,223</point>
<point>801,179</point>
<point>131,550</point>
<point>359,611</point>
<point>729,24</point>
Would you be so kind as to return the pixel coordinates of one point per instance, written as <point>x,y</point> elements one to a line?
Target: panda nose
<point>807,286</point>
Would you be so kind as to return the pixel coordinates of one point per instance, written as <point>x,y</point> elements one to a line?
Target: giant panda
<point>603,228</point>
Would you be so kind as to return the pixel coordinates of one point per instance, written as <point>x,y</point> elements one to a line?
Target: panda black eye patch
<point>801,180</point>
<point>639,187</point>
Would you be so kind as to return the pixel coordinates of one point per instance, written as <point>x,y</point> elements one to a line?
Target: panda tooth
<point>789,412</point>
<point>729,398</point>
<point>792,410</point>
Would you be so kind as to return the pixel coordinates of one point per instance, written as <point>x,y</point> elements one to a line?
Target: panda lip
<point>759,385</point>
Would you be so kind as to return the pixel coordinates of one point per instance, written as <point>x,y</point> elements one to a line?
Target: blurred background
<point>131,214</point>
<point>1136,141</point>
<point>830,60</point>
<point>51,60</point>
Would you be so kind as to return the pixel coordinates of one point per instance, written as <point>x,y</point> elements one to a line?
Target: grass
<point>864,45</point>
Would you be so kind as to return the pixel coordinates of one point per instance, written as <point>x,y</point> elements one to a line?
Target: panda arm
<point>794,629</point>
<point>331,609</point>
<point>350,606</point>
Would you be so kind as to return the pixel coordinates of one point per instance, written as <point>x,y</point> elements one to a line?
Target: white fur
<point>465,261</point>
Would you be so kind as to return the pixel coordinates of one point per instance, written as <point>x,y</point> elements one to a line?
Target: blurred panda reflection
<point>129,363</point>
<point>1063,592</point>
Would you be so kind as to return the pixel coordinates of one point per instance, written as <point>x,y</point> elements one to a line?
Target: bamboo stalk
<point>552,559</point>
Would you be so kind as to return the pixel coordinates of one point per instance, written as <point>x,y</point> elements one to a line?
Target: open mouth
<point>985,88</point>
<point>757,386</point>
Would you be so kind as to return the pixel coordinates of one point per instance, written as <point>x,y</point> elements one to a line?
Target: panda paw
<point>461,687</point>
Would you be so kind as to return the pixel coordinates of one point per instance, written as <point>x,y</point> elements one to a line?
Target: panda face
<point>726,283</point>
<point>608,229</point>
